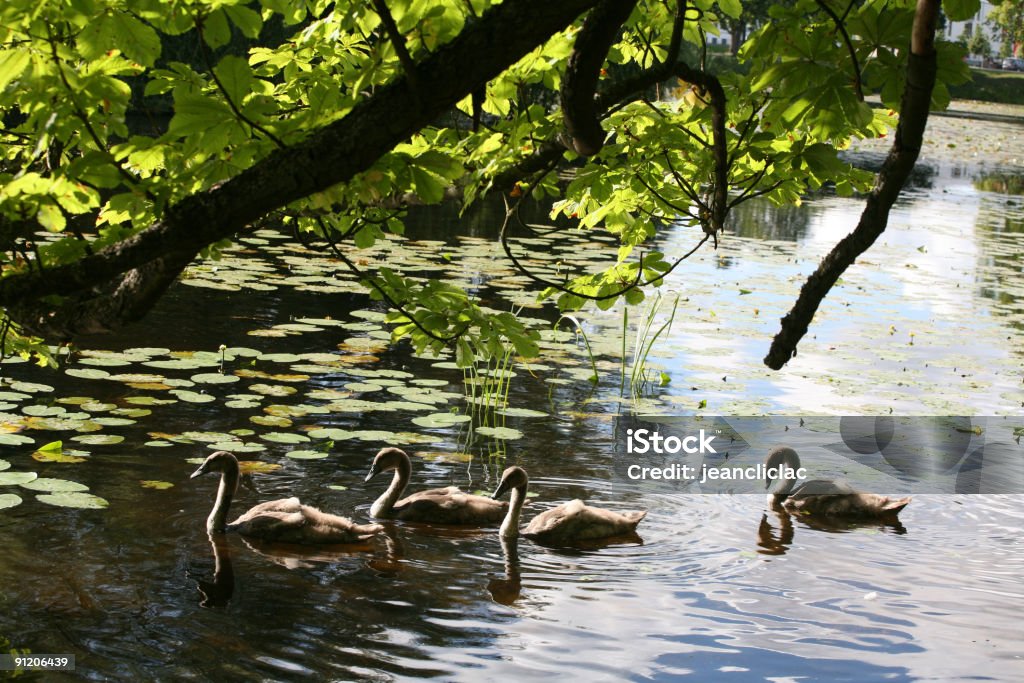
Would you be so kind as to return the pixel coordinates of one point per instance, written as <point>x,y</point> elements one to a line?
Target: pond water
<point>927,323</point>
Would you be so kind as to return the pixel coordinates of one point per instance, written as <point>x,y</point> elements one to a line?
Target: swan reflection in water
<point>776,540</point>
<point>218,592</point>
<point>506,590</point>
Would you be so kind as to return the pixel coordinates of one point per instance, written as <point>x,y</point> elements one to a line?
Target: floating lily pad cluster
<point>49,490</point>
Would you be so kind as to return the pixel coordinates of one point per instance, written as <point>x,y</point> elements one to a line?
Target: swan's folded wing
<point>576,521</point>
<point>449,505</point>
<point>822,487</point>
<point>269,524</point>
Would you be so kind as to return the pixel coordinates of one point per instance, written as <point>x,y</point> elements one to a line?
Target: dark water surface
<point>720,588</point>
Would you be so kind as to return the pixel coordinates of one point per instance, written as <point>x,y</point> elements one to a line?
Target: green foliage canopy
<point>266,83</point>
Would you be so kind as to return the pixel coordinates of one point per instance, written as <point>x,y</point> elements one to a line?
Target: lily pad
<point>155,484</point>
<point>237,446</point>
<point>16,478</point>
<point>214,378</point>
<point>257,467</point>
<point>279,357</point>
<point>241,404</point>
<point>139,378</point>
<point>331,433</point>
<point>504,433</point>
<point>438,420</point>
<point>43,411</point>
<point>148,351</point>
<point>271,420</point>
<point>97,407</point>
<point>31,387</point>
<point>285,437</point>
<point>444,456</point>
<point>148,401</point>
<point>181,364</point>
<point>87,373</point>
<point>307,455</point>
<point>522,412</point>
<point>98,439</point>
<point>192,397</point>
<point>133,412</point>
<point>412,438</point>
<point>74,499</point>
<point>273,389</point>
<point>363,387</point>
<point>105,362</point>
<point>68,456</point>
<point>207,437</point>
<point>15,439</point>
<point>4,465</point>
<point>373,435</point>
<point>50,485</point>
<point>9,500</point>
<point>113,421</point>
<point>426,382</point>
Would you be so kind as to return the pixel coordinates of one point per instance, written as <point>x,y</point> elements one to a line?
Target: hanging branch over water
<point>921,70</point>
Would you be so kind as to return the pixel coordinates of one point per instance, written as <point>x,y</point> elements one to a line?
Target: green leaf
<point>428,186</point>
<point>216,29</point>
<point>236,76</point>
<point>248,21</point>
<point>961,10</point>
<point>51,217</point>
<point>116,29</point>
<point>196,114</point>
<point>731,8</point>
<point>13,63</point>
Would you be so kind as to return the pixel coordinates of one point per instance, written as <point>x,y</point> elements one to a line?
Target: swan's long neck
<point>783,457</point>
<point>217,521</point>
<point>382,506</point>
<point>510,526</point>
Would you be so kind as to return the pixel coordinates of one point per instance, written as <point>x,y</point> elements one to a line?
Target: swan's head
<point>387,459</point>
<point>512,478</point>
<point>780,455</point>
<point>218,462</point>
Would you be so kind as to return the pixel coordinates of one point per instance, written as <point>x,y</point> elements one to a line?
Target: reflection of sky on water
<point>916,306</point>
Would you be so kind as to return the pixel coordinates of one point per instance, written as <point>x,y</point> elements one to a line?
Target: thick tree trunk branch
<point>921,69</point>
<point>329,156</point>
<point>617,93</point>
<point>579,86</point>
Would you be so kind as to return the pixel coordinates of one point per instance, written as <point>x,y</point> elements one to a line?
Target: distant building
<point>961,29</point>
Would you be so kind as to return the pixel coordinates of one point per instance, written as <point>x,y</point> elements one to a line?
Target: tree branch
<point>579,107</point>
<point>921,70</point>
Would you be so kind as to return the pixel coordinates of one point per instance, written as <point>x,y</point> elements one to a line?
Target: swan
<point>569,522</point>
<point>285,520</point>
<point>446,505</point>
<point>822,497</point>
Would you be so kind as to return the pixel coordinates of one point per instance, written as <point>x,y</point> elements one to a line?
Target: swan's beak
<point>500,491</point>
<point>371,474</point>
<point>199,472</point>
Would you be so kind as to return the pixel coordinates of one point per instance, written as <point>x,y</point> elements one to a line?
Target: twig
<point>841,27</point>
